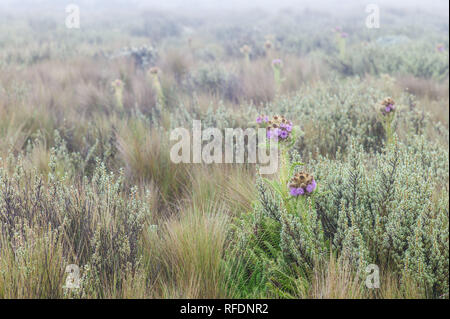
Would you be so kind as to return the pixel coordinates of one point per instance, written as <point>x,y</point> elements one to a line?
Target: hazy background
<point>439,7</point>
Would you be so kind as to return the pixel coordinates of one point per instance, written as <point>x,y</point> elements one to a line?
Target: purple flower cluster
<point>336,29</point>
<point>311,187</point>
<point>296,191</point>
<point>278,63</point>
<point>262,118</point>
<point>387,106</point>
<point>440,47</point>
<point>302,184</point>
<point>281,132</point>
<point>117,84</point>
<point>279,128</point>
<point>339,31</point>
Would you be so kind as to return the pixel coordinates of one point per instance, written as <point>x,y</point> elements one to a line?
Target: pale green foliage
<point>96,223</point>
<point>216,80</point>
<point>279,245</point>
<point>389,209</point>
<point>333,113</point>
<point>419,59</point>
<point>382,211</point>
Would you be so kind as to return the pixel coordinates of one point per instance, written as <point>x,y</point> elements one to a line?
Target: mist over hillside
<point>336,7</point>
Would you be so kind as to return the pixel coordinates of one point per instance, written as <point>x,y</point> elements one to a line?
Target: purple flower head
<point>273,134</point>
<point>295,191</point>
<point>286,126</point>
<point>311,187</point>
<point>262,118</point>
<point>344,35</point>
<point>117,84</point>
<point>277,62</point>
<point>440,47</point>
<point>387,105</point>
<point>278,127</point>
<point>302,184</point>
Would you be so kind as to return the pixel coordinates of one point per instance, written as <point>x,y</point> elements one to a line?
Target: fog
<point>336,7</point>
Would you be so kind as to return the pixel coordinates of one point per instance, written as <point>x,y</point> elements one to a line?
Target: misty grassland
<point>86,176</point>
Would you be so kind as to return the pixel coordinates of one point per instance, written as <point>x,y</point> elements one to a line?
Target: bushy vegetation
<point>390,210</point>
<point>86,176</point>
